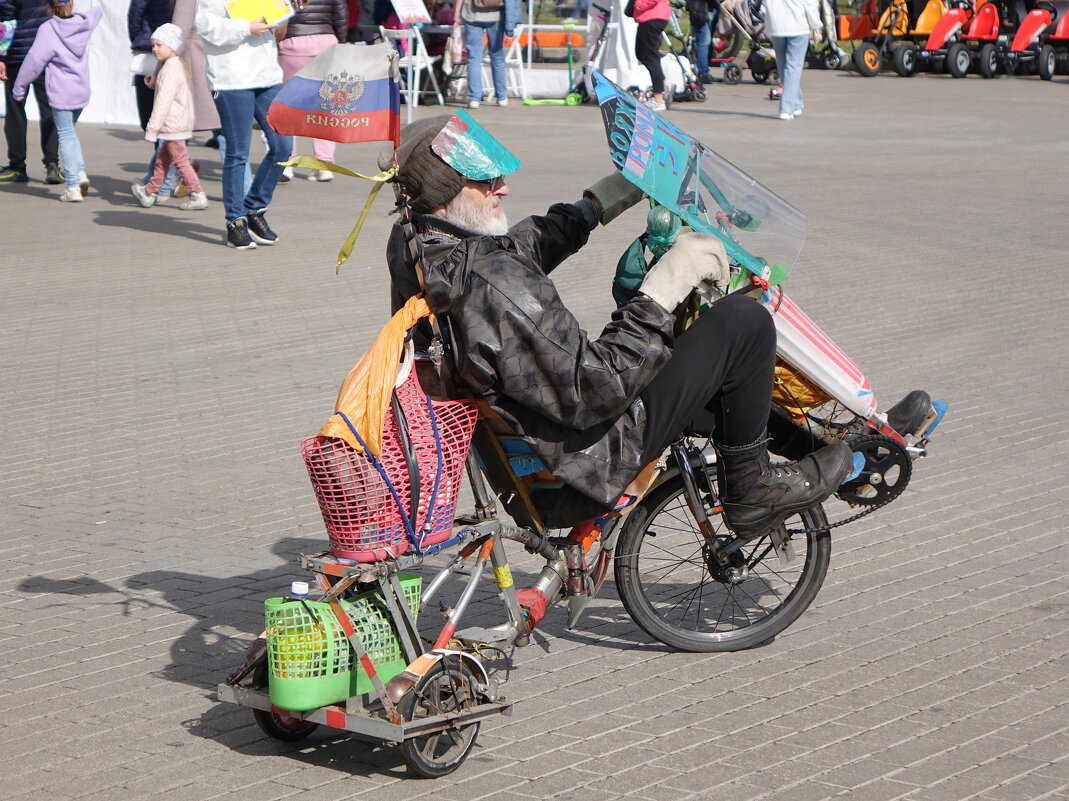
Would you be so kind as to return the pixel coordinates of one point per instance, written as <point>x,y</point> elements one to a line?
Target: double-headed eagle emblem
<point>340,92</point>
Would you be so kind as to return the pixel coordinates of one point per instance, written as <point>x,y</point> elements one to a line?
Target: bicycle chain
<point>866,511</point>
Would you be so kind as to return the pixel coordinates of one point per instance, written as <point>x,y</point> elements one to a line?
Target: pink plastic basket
<point>366,515</point>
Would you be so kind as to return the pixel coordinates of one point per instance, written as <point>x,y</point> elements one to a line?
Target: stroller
<point>748,18</point>
<point>824,51</point>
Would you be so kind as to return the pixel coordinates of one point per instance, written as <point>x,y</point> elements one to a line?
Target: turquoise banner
<point>760,230</point>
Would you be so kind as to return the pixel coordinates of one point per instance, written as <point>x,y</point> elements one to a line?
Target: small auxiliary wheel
<point>732,74</point>
<point>448,687</point>
<point>281,727</point>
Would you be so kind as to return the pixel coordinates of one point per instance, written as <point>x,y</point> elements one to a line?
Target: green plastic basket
<point>310,662</point>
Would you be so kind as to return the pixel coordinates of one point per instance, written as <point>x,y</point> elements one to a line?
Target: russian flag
<point>348,93</point>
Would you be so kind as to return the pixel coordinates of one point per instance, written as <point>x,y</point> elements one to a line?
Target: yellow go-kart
<point>901,26</point>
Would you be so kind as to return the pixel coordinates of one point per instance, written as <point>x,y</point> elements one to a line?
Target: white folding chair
<point>414,60</point>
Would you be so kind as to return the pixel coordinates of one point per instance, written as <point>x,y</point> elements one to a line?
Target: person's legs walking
<point>779,46</point>
<point>236,109</point>
<point>269,171</point>
<point>496,36</point>
<point>647,51</point>
<point>14,132</point>
<point>71,151</point>
<point>703,37</point>
<point>164,160</point>
<point>790,57</point>
<point>473,41</point>
<point>49,139</point>
<point>792,82</point>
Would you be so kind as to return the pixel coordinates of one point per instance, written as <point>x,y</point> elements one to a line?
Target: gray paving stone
<point>155,386</point>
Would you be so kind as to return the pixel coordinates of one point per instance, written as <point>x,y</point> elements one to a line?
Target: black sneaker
<point>705,77</point>
<point>237,235</point>
<point>260,231</point>
<point>54,175</point>
<point>12,175</point>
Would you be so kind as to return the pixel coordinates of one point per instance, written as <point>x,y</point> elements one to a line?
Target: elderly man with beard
<point>596,411</point>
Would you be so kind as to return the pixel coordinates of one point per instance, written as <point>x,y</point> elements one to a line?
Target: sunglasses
<point>492,184</point>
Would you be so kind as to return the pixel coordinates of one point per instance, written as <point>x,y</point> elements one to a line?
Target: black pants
<point>648,50</point>
<point>15,124</point>
<point>719,378</point>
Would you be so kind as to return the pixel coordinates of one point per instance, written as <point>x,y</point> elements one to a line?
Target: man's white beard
<point>477,217</point>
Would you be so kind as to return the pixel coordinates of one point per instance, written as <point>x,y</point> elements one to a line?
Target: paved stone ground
<point>154,387</point>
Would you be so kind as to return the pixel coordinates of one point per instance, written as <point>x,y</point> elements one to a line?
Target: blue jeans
<point>165,190</point>
<point>703,37</point>
<point>237,110</point>
<point>473,40</point>
<point>790,57</point>
<point>70,149</point>
<point>246,183</point>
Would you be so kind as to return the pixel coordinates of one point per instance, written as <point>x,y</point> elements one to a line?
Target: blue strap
<point>386,478</point>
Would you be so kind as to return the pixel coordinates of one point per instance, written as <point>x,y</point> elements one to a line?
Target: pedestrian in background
<point>29,15</point>
<point>142,18</point>
<point>492,20</point>
<point>319,24</point>
<point>244,74</point>
<point>704,16</point>
<point>171,122</point>
<point>60,51</point>
<point>790,23</point>
<point>652,16</point>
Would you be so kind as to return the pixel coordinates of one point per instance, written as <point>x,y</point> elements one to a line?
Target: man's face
<point>478,207</point>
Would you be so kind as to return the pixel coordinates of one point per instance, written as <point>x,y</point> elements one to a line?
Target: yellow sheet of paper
<point>267,11</point>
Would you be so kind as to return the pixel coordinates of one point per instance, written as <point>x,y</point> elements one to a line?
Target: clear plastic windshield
<point>761,230</point>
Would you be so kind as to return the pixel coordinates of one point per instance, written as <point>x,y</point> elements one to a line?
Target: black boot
<point>758,496</point>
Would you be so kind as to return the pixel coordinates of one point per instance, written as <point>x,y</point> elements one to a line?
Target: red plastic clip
<point>759,282</point>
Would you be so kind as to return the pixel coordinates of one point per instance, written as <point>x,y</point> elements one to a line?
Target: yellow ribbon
<point>310,162</point>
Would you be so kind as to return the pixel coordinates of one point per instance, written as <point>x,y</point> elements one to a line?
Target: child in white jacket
<point>171,121</point>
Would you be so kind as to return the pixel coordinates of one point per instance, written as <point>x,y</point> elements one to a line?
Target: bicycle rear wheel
<point>679,595</point>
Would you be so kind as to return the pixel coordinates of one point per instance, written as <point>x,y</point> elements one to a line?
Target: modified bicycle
<point>356,658</point>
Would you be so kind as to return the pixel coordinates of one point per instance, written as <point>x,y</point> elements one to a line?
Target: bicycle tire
<point>670,593</point>
<point>448,687</point>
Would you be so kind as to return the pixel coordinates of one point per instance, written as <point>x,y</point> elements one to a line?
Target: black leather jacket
<point>318,17</point>
<point>575,400</point>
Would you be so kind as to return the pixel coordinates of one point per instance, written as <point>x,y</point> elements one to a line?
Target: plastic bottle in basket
<point>296,646</point>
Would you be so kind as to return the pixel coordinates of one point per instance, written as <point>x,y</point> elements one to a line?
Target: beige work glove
<point>694,259</point>
<point>613,195</point>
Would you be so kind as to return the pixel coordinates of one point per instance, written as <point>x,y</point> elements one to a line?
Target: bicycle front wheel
<point>679,594</point>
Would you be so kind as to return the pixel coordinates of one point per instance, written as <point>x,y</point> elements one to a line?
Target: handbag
<point>143,64</point>
<point>488,5</point>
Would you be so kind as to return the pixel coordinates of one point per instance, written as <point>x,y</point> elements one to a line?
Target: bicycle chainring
<point>885,475</point>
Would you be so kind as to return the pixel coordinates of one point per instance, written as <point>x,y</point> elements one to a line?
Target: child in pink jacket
<point>171,121</point>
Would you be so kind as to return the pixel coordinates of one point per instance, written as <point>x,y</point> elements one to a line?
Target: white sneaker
<point>142,195</point>
<point>287,175</point>
<point>71,194</point>
<point>83,183</point>
<point>195,202</point>
<point>785,116</point>
<point>655,106</point>
<point>798,113</point>
<point>321,175</point>
<point>503,102</point>
<point>473,104</point>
